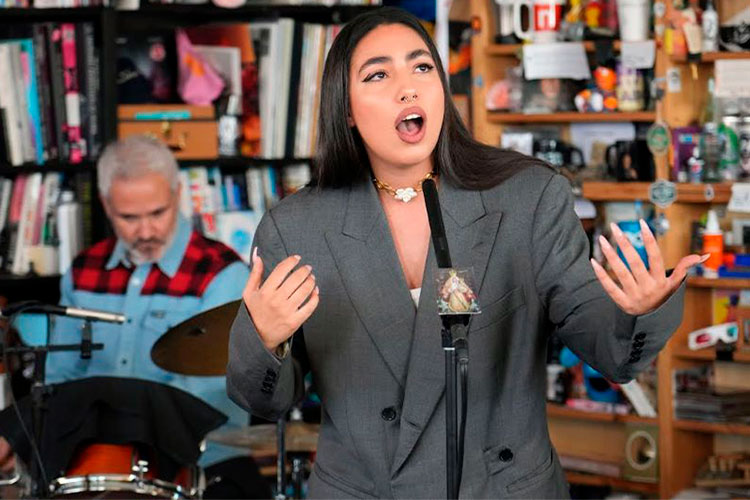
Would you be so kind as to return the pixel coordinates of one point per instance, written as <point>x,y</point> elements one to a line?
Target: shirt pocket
<point>496,311</point>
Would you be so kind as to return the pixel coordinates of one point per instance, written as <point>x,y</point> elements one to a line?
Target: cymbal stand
<point>281,459</point>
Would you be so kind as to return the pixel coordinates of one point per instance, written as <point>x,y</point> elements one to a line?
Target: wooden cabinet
<point>683,445</point>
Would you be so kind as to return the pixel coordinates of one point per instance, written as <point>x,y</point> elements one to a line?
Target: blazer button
<point>388,414</point>
<point>505,455</point>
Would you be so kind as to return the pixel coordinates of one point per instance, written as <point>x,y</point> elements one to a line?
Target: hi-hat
<point>299,437</point>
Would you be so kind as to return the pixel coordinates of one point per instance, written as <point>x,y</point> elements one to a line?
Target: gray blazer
<point>377,360</point>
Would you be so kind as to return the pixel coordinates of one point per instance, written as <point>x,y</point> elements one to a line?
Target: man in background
<point>158,272</point>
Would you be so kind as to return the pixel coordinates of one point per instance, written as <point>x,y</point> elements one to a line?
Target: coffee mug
<point>630,161</point>
<point>634,16</point>
<point>559,153</point>
<point>544,19</point>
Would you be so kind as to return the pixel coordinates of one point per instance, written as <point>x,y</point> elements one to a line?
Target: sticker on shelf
<point>674,80</point>
<point>662,193</point>
<point>709,193</point>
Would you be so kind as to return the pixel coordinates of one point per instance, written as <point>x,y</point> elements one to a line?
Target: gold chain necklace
<point>402,194</point>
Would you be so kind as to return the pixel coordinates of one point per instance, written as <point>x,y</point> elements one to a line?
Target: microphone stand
<point>40,392</point>
<point>456,352</point>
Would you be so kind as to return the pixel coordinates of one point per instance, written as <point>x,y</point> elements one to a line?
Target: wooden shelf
<point>8,170</point>
<point>16,14</point>
<point>684,352</point>
<point>555,410</point>
<point>243,162</point>
<point>701,282</point>
<point>186,14</point>
<point>631,191</point>
<point>570,116</point>
<point>712,428</point>
<point>715,56</point>
<point>512,49</point>
<point>613,482</point>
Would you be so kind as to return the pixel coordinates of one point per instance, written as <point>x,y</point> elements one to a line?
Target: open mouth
<point>410,125</point>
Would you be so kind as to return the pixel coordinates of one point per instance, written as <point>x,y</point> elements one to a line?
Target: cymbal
<point>299,437</point>
<point>198,345</point>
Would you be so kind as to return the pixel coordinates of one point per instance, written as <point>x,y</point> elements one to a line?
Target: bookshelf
<point>651,489</point>
<point>683,445</point>
<point>555,410</point>
<point>570,117</point>
<point>510,49</point>
<point>108,24</point>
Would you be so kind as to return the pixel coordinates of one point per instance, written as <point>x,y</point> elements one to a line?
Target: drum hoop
<point>70,485</point>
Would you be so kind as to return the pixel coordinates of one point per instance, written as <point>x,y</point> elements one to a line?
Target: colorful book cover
<point>28,72</point>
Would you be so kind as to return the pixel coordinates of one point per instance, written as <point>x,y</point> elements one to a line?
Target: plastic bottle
<point>713,243</point>
<point>710,28</point>
<point>69,229</point>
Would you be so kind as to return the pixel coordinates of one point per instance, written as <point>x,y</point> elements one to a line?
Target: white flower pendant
<point>405,194</point>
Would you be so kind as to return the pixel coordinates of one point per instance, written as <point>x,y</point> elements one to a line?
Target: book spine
<point>54,51</point>
<point>20,101</point>
<point>45,93</point>
<point>28,69</point>
<point>72,95</point>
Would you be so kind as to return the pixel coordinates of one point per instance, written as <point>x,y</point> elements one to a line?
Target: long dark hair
<point>341,158</point>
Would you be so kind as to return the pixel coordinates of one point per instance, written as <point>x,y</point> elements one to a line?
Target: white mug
<point>544,19</point>
<point>633,16</point>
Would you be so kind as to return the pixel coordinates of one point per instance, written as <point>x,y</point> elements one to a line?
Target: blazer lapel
<point>369,267</point>
<point>471,233</point>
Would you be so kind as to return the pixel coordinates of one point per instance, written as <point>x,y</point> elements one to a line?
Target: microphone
<point>72,312</point>
<point>435,216</point>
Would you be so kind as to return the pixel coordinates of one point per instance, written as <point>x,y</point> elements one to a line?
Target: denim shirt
<point>127,346</point>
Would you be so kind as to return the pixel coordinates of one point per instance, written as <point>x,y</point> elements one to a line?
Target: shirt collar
<point>172,258</point>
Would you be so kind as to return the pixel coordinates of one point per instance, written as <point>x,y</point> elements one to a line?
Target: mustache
<point>150,241</point>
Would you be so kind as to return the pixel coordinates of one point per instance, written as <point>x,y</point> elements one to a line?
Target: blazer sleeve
<point>587,320</point>
<point>258,380</point>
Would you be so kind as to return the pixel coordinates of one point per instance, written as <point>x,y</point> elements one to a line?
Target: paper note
<point>740,200</point>
<point>638,55</point>
<point>732,78</point>
<point>555,60</point>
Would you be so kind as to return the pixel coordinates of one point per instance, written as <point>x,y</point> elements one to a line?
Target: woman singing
<point>345,269</point>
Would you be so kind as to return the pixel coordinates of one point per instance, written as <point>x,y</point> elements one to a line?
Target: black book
<point>294,90</point>
<point>54,54</point>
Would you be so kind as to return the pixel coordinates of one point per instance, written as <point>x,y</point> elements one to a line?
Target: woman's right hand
<point>7,458</point>
<point>280,305</point>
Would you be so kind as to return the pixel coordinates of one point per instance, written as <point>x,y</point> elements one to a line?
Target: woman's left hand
<point>641,290</point>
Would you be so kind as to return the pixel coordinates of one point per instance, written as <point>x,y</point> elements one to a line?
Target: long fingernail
<point>603,241</point>
<point>297,258</point>
<point>615,229</point>
<point>594,263</point>
<point>255,254</point>
<point>644,226</point>
<point>704,258</point>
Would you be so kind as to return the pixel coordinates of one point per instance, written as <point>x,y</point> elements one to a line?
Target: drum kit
<point>196,347</point>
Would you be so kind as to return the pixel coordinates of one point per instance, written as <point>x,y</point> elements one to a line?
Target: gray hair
<point>133,157</point>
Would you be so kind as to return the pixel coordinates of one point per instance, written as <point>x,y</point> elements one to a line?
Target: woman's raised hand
<point>641,290</point>
<point>280,305</point>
